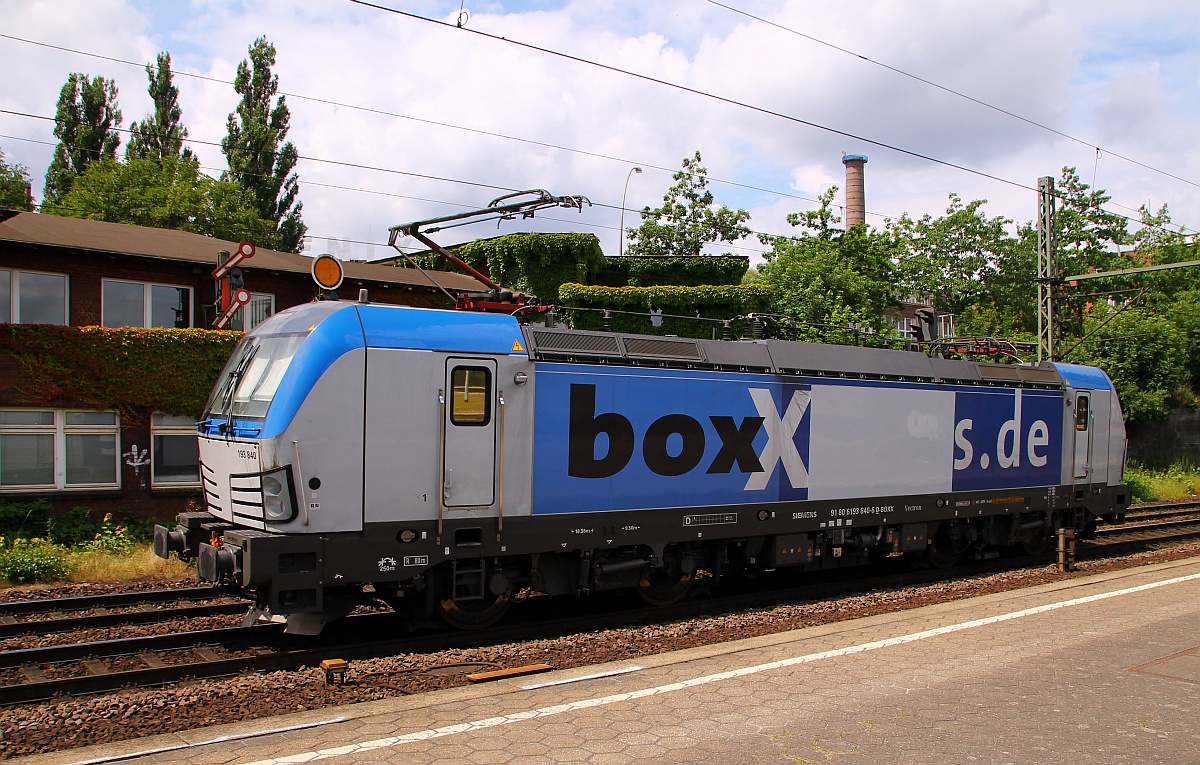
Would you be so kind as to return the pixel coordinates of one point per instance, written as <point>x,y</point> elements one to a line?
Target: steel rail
<point>111,600</point>
<point>544,618</point>
<point>93,621</point>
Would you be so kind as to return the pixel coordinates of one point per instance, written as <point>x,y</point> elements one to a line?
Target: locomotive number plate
<point>712,519</point>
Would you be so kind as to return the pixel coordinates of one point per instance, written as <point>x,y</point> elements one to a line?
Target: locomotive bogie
<point>442,461</point>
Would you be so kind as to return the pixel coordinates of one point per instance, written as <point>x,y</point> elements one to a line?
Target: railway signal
<point>231,290</point>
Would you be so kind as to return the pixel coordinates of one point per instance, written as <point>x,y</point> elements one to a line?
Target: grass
<point>140,563</point>
<point>1177,481</point>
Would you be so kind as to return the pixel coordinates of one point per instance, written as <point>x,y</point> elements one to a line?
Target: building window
<point>137,304</point>
<point>253,313</point>
<point>29,297</point>
<point>174,451</point>
<point>54,449</point>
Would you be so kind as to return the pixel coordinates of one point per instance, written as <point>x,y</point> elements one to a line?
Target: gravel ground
<point>68,724</point>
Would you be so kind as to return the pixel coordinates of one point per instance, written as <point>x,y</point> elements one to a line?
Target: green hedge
<point>539,263</point>
<point>131,370</point>
<point>631,306</point>
<point>694,271</point>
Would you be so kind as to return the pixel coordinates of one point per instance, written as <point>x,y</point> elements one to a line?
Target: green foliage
<point>24,519</point>
<point>259,158</point>
<point>1141,488</point>
<point>131,370</point>
<point>25,561</point>
<point>686,221</point>
<point>635,271</point>
<point>830,277</point>
<point>14,186</point>
<point>533,263</point>
<point>166,193</point>
<point>1146,356</point>
<point>711,302</point>
<point>111,538</point>
<point>161,135</point>
<point>73,528</point>
<point>1176,480</point>
<point>952,259</point>
<point>84,123</point>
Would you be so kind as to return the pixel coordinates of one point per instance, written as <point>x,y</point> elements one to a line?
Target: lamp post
<point>632,170</point>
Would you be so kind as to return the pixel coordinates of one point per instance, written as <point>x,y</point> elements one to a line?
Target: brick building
<point>74,272</point>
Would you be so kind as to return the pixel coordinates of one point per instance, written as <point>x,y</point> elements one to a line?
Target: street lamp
<point>632,170</point>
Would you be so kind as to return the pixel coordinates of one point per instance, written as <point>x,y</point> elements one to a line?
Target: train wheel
<point>664,586</point>
<point>473,614</point>
<point>945,551</point>
<point>476,603</point>
<point>1041,543</point>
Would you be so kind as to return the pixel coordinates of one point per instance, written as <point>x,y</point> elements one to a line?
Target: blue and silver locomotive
<point>440,461</point>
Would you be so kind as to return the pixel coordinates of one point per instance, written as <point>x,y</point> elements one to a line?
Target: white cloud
<point>1123,78</point>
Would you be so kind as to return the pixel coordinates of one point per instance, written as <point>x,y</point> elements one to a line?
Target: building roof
<point>184,246</point>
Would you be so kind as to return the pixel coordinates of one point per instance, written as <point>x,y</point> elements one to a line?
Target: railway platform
<point>1103,669</point>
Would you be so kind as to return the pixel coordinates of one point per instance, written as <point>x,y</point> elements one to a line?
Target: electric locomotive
<point>440,461</point>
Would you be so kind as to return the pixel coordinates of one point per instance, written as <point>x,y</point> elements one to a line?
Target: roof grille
<point>656,348</point>
<point>576,342</point>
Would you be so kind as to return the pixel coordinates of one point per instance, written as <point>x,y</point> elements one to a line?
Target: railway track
<point>28,617</point>
<point>35,674</point>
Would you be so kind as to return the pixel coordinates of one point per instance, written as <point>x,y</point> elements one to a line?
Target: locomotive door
<point>469,433</point>
<point>1083,434</point>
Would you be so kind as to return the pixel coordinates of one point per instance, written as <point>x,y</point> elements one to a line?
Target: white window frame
<point>170,430</point>
<point>60,430</point>
<point>239,319</point>
<point>14,295</point>
<point>147,300</point>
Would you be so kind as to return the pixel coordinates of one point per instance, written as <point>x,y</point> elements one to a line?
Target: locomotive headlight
<point>278,505</point>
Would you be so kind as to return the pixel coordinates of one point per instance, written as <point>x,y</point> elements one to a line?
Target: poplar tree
<point>259,158</point>
<point>160,136</point>
<point>84,123</point>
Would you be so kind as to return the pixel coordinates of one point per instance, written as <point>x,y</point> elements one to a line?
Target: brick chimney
<point>856,202</point>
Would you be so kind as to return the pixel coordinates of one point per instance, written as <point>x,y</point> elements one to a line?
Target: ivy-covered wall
<point>533,263</point>
<point>711,302</point>
<point>134,371</point>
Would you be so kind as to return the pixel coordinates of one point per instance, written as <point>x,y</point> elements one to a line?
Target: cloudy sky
<point>399,118</point>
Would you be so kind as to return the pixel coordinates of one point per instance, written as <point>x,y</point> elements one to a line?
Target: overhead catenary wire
<point>726,100</point>
<point>544,144</point>
<point>372,191</point>
<point>426,121</point>
<point>953,92</point>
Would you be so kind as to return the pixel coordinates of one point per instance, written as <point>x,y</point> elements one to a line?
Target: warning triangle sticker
<point>517,347</point>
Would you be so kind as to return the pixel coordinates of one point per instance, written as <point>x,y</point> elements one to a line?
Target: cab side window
<point>1081,413</point>
<point>470,396</point>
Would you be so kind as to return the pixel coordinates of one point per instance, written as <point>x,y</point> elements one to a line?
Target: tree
<point>166,193</point>
<point>952,258</point>
<point>161,134</point>
<point>14,186</point>
<point>84,123</point>
<point>830,277</point>
<point>259,159</point>
<point>1145,354</point>
<point>687,221</point>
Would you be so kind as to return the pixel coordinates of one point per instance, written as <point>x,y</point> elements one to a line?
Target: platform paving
<point>1100,670</point>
